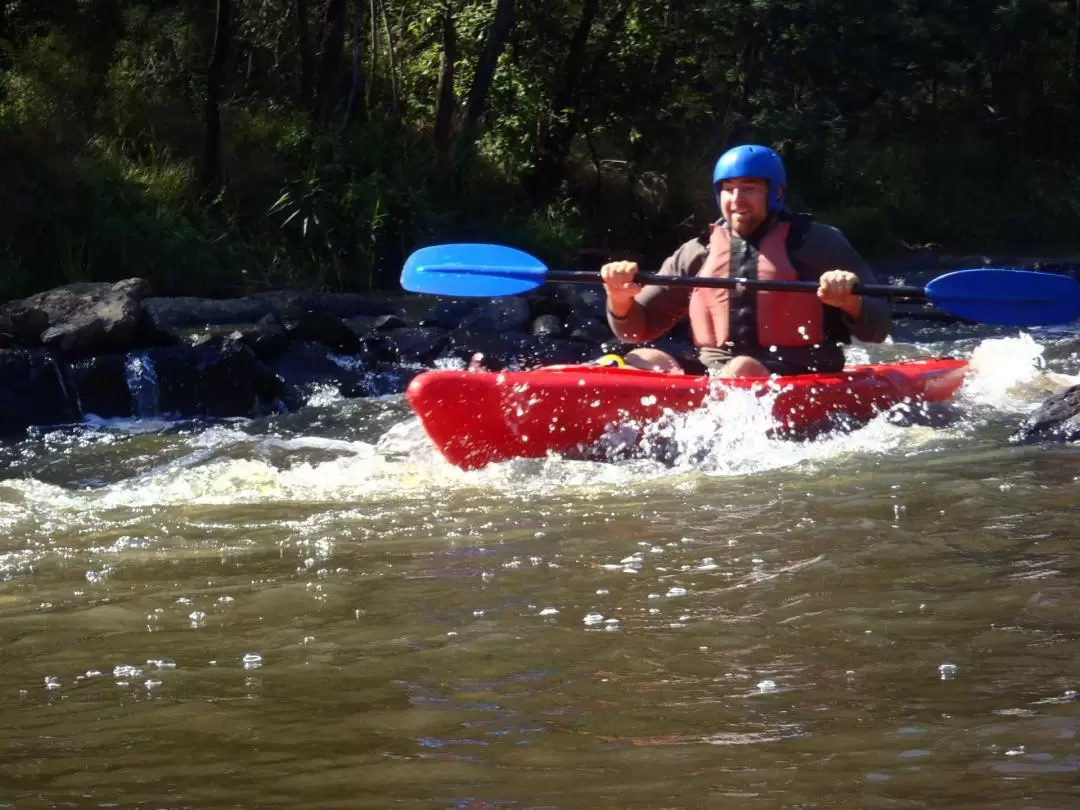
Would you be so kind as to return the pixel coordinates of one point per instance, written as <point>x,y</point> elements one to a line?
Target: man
<point>741,332</point>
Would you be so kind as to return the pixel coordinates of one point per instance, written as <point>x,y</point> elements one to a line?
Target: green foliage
<point>901,124</point>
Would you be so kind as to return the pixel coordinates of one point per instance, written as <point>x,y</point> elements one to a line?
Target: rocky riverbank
<point>116,350</point>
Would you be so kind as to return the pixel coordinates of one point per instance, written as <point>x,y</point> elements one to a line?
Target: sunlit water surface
<point>315,611</point>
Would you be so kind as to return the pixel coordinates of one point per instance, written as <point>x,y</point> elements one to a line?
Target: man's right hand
<point>620,286</point>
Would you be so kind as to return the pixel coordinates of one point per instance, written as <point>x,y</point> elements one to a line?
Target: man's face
<point>744,203</point>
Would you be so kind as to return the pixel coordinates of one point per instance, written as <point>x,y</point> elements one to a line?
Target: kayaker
<point>744,333</point>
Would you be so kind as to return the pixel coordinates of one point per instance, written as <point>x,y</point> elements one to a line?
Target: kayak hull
<point>476,418</point>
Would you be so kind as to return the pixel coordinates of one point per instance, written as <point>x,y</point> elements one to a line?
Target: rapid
<point>314,610</point>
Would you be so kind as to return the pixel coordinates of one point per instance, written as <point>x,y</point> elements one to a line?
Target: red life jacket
<point>784,319</point>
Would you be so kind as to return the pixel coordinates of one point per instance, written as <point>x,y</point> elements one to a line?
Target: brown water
<point>313,611</point>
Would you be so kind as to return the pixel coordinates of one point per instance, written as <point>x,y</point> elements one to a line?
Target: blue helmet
<point>752,160</point>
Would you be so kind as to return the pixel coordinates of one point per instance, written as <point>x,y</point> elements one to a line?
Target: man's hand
<point>835,290</point>
<point>620,286</point>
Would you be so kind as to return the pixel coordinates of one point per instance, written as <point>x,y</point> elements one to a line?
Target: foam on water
<point>1010,374</point>
<point>225,464</point>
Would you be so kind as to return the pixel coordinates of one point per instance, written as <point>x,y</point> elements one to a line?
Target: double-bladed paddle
<point>1002,297</point>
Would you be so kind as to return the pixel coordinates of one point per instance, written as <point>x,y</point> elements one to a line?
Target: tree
<point>219,53</point>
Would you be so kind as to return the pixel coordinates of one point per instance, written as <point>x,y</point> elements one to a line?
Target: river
<point>313,610</point>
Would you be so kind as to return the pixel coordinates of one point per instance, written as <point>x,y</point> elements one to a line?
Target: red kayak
<point>476,418</point>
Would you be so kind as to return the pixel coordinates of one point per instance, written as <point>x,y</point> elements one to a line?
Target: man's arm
<point>826,248</point>
<point>656,309</point>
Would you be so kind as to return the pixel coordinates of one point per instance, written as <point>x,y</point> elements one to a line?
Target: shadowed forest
<point>218,147</point>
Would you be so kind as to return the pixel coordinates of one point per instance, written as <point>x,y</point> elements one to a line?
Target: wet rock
<point>548,325</point>
<point>320,326</point>
<point>101,383</point>
<point>337,305</point>
<point>499,351</point>
<point>1057,419</point>
<point>583,328</point>
<point>498,316</point>
<point>388,323</point>
<point>23,322</point>
<point>169,382</point>
<point>268,338</point>
<point>233,382</point>
<point>183,312</point>
<point>86,318</point>
<point>306,367</point>
<point>33,391</point>
<point>420,344</point>
<point>563,351</point>
<point>448,314</point>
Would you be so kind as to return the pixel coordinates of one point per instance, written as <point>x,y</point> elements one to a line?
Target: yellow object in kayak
<point>610,360</point>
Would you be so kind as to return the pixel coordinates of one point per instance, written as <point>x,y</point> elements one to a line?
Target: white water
<point>227,464</point>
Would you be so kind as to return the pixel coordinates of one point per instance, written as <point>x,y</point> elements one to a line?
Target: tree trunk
<point>392,62</point>
<point>489,59</point>
<point>212,168</point>
<point>567,108</point>
<point>446,100</point>
<point>304,38</point>
<point>333,43</point>
<point>356,89</point>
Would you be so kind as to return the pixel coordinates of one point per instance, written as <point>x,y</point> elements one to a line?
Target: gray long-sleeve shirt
<point>823,248</point>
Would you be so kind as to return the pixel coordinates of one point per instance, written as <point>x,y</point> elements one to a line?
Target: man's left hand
<point>835,290</point>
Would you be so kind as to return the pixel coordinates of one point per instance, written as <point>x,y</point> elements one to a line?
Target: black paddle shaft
<point>877,290</point>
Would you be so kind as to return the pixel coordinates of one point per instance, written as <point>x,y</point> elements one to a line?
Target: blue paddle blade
<point>472,270</point>
<point>1007,297</point>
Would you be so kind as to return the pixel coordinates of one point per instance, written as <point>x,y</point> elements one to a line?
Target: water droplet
<point>252,660</point>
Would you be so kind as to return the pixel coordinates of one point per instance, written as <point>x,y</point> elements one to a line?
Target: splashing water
<point>235,463</point>
<point>1010,374</point>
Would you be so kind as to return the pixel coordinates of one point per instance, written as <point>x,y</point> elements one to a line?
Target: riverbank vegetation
<point>220,146</point>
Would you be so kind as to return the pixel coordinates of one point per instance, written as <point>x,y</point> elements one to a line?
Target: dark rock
<point>1057,419</point>
<point>448,314</point>
<point>184,312</point>
<point>548,325</point>
<point>583,328</point>
<point>563,300</point>
<point>387,323</point>
<point>417,344</point>
<point>170,382</point>
<point>86,318</point>
<point>499,352</point>
<point>560,351</point>
<point>498,316</point>
<point>102,386</point>
<point>268,339</point>
<point>306,366</point>
<point>33,391</point>
<point>339,305</point>
<point>24,323</point>
<point>233,382</point>
<point>322,327</point>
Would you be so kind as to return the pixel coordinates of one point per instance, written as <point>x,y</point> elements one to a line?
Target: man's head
<point>750,183</point>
